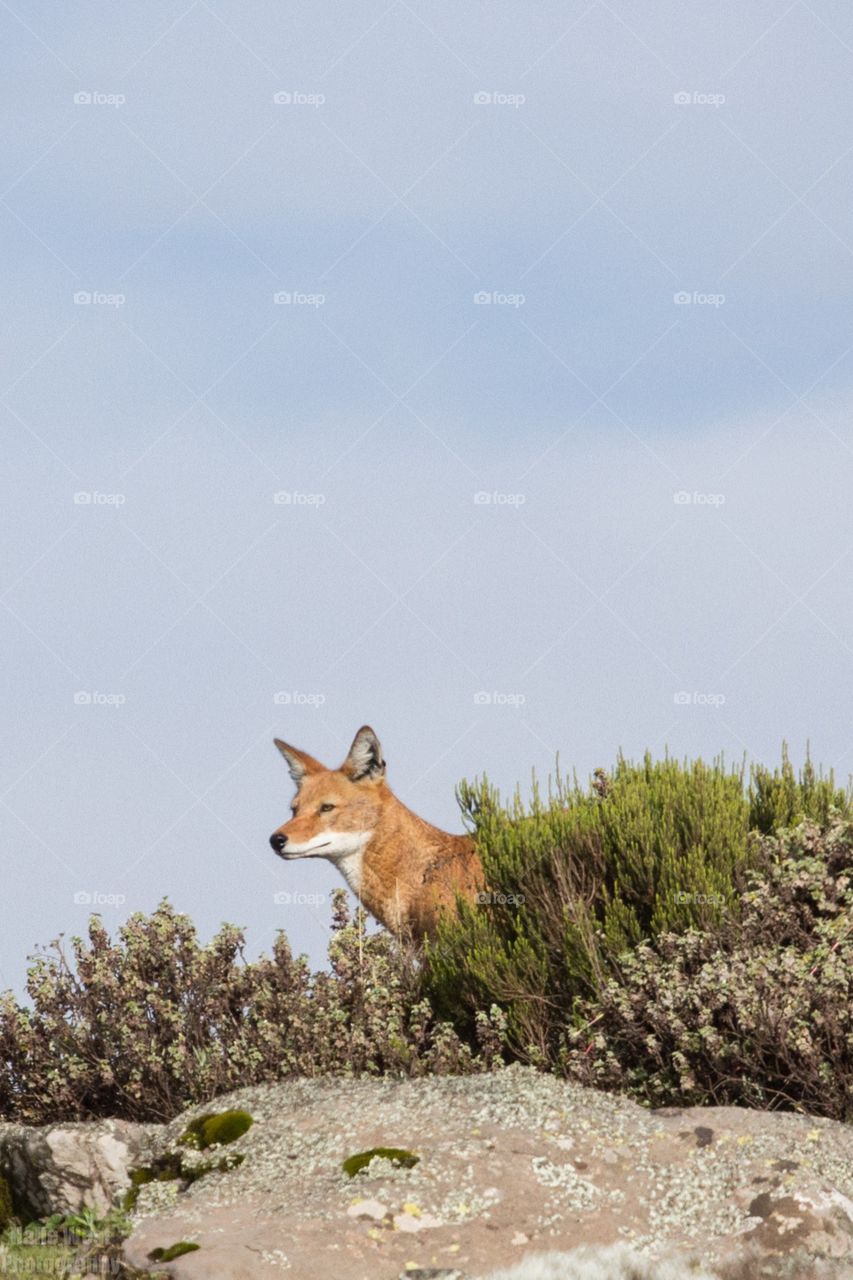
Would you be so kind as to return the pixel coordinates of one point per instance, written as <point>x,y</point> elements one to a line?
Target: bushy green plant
<point>758,1013</point>
<point>144,1025</point>
<point>579,879</point>
<point>782,798</point>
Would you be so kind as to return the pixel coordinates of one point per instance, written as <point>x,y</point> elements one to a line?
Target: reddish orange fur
<point>411,871</point>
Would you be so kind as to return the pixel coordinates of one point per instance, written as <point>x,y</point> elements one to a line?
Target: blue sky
<point>558,411</point>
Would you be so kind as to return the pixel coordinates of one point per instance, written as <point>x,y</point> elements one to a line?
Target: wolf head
<point>334,811</point>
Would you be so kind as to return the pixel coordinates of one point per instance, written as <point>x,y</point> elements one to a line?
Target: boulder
<point>520,1176</point>
<point>63,1168</point>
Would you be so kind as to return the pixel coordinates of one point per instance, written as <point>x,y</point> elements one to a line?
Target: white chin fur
<point>344,848</point>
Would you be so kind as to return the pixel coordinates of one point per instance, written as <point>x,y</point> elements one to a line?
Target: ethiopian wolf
<point>403,870</point>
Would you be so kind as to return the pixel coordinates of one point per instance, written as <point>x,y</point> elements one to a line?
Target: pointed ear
<point>365,757</point>
<point>298,762</point>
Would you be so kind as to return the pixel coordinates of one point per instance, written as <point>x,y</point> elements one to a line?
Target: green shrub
<point>782,798</point>
<point>576,881</point>
<point>758,1013</point>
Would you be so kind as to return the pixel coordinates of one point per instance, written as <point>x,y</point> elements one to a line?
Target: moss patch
<point>174,1251</point>
<point>232,1161</point>
<point>404,1159</point>
<point>212,1130</point>
<point>173,1166</point>
<point>166,1169</point>
<point>216,1130</point>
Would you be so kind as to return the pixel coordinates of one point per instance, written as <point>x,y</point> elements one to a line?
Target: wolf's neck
<point>350,866</point>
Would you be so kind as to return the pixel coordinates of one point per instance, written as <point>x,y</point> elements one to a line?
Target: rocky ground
<point>511,1166</point>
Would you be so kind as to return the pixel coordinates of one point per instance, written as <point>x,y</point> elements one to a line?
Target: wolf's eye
<point>326,808</point>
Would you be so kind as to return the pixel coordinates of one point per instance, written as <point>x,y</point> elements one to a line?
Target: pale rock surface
<point>521,1176</point>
